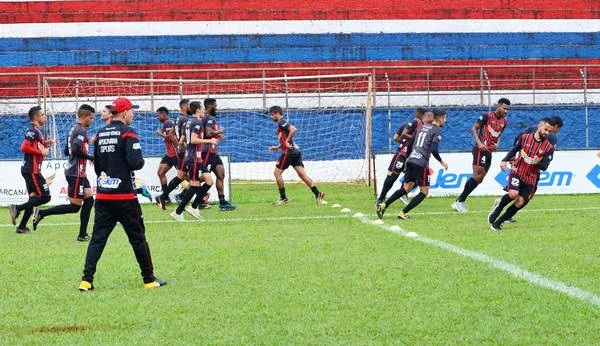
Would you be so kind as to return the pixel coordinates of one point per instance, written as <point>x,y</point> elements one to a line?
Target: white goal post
<point>333,114</point>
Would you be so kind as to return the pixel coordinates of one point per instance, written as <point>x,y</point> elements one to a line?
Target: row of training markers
<point>510,268</point>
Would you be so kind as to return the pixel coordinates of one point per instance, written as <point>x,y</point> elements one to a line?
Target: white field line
<point>510,268</point>
<point>317,217</point>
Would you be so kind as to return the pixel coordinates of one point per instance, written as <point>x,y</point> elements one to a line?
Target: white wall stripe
<point>296,27</point>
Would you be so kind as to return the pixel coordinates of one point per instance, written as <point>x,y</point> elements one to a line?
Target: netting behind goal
<point>332,114</point>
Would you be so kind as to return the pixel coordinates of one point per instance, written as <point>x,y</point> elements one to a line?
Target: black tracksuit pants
<point>129,214</point>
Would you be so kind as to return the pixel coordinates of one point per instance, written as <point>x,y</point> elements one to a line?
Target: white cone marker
<point>378,222</point>
<point>324,202</point>
<point>411,234</point>
<point>358,215</point>
<point>336,206</point>
<point>395,228</point>
<point>345,210</point>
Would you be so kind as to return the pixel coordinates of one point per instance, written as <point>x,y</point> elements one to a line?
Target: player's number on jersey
<point>420,139</point>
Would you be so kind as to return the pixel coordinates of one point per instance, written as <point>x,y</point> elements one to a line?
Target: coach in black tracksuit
<point>117,153</point>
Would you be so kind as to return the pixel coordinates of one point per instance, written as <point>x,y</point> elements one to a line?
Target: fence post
<point>151,91</point>
<point>387,80</point>
<point>583,73</point>
<point>264,89</point>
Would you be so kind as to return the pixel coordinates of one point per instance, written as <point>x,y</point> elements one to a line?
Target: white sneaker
<point>459,206</point>
<point>177,217</point>
<point>194,212</point>
<point>404,199</point>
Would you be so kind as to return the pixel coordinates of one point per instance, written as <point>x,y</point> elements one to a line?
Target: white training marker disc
<point>411,234</point>
<point>395,228</point>
<point>378,222</point>
<point>336,206</point>
<point>324,202</point>
<point>345,210</point>
<point>359,215</point>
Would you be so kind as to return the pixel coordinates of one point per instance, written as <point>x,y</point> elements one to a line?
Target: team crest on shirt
<point>30,134</point>
<point>107,182</point>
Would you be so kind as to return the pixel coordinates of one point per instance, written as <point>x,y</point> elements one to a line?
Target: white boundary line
<point>510,268</point>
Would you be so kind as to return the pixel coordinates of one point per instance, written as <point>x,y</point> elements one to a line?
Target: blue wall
<point>255,131</point>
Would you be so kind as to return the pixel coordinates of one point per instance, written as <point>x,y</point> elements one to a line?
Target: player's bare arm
<point>291,134</point>
<point>197,140</point>
<point>474,129</point>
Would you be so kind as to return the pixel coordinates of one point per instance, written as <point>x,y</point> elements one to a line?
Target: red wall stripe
<point>225,10</point>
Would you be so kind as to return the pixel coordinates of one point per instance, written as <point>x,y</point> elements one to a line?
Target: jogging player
<point>184,111</point>
<point>35,148</point>
<point>425,143</point>
<point>533,152</point>
<point>117,154</point>
<point>290,156</point>
<point>486,131</point>
<point>403,136</point>
<point>79,188</point>
<point>170,158</point>
<point>197,171</point>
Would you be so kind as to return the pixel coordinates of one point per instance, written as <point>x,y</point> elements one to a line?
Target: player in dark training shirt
<point>117,154</point>
<point>35,148</point>
<point>184,111</point>
<point>290,156</point>
<point>532,152</point>
<point>80,191</point>
<point>197,171</point>
<point>425,143</point>
<point>486,131</point>
<point>168,134</point>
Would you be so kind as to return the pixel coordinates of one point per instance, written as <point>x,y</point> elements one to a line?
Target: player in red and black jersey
<point>197,171</point>
<point>533,153</point>
<point>184,112</point>
<point>35,148</point>
<point>291,156</point>
<point>404,137</point>
<point>80,191</point>
<point>170,158</point>
<point>486,131</point>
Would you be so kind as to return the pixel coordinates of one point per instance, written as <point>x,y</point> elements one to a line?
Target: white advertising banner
<point>569,172</point>
<point>13,189</point>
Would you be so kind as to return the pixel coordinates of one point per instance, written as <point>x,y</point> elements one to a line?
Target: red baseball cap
<point>122,104</point>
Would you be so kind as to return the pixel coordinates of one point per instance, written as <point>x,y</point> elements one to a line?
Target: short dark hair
<point>438,113</point>
<point>420,110</point>
<point>209,101</point>
<point>162,109</point>
<point>85,109</point>
<point>556,121</point>
<point>504,100</point>
<point>183,102</point>
<point>276,109</point>
<point>33,111</point>
<point>546,120</point>
<point>194,106</point>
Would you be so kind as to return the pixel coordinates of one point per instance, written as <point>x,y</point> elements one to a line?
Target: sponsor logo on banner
<point>594,176</point>
<point>447,180</point>
<point>556,178</point>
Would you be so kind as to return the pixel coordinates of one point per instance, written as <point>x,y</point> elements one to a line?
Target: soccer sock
<point>84,216</point>
<point>387,185</point>
<point>469,187</point>
<point>315,190</point>
<point>26,217</point>
<point>196,201</point>
<point>510,212</point>
<point>163,188</point>
<point>414,202</point>
<point>34,202</point>
<point>394,197</point>
<point>282,193</point>
<point>60,209</point>
<point>222,199</point>
<point>172,186</point>
<point>204,189</point>
<point>139,191</point>
<point>189,193</point>
<point>504,201</point>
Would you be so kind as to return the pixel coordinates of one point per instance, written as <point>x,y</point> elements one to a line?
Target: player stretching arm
<point>291,156</point>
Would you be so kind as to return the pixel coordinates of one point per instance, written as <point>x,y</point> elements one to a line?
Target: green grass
<point>259,278</point>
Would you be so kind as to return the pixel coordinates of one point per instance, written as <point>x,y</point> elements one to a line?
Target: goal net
<point>332,114</point>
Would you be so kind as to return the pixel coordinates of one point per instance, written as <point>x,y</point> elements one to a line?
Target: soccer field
<point>308,274</point>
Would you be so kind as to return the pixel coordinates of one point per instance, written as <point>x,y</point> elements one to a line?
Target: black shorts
<point>77,185</point>
<point>525,190</point>
<point>292,158</point>
<point>397,163</point>
<point>181,162</point>
<point>36,183</point>
<point>169,160</point>
<point>212,160</point>
<point>482,158</point>
<point>196,169</point>
<point>416,174</point>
